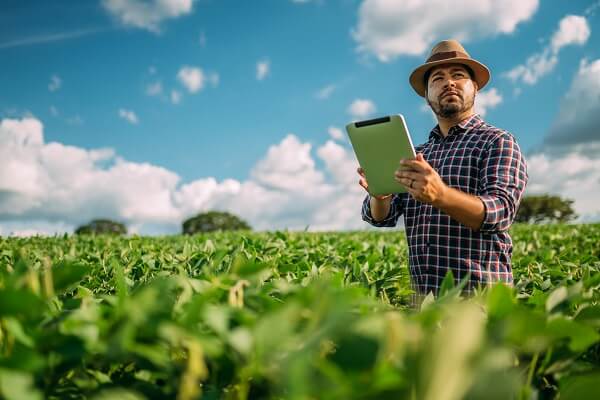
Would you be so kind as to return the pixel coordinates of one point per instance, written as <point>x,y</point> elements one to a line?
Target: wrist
<point>382,197</point>
<point>442,199</point>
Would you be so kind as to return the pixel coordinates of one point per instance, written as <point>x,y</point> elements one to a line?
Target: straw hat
<point>448,51</point>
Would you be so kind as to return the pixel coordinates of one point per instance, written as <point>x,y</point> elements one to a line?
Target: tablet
<point>379,145</point>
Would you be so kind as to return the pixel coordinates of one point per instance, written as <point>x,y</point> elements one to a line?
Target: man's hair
<point>428,73</point>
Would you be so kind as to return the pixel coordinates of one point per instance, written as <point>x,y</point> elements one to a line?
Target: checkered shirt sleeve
<point>503,180</point>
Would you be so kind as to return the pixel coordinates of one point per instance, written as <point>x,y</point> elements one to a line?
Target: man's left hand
<point>421,180</point>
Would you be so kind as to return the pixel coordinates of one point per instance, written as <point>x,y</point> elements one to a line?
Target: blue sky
<point>176,87</point>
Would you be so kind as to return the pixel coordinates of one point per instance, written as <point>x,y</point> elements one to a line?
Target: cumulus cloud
<point>50,187</point>
<point>192,78</point>
<point>147,14</point>
<point>55,83</point>
<point>572,30</point>
<point>262,69</point>
<point>389,28</point>
<point>335,133</point>
<point>128,116</point>
<point>487,99</point>
<point>579,116</point>
<point>288,166</point>
<point>361,108</point>
<point>568,161</point>
<point>573,175</point>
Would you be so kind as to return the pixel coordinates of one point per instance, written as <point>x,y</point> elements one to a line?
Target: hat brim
<point>481,72</point>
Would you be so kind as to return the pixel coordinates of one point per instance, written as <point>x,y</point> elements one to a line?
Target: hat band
<point>446,55</point>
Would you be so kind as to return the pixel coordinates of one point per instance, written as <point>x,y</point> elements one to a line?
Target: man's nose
<point>449,83</point>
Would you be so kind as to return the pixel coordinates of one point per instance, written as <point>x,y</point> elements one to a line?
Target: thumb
<point>420,157</point>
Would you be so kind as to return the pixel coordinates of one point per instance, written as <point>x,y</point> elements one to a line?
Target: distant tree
<point>545,208</point>
<point>102,226</point>
<point>214,221</point>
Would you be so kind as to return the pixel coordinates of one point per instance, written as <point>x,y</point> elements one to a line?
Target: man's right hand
<point>363,182</point>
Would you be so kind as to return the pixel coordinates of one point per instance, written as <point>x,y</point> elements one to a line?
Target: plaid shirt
<point>477,158</point>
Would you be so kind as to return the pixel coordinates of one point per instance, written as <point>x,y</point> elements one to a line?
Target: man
<point>464,187</point>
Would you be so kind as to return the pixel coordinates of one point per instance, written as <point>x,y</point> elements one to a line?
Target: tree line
<point>532,210</point>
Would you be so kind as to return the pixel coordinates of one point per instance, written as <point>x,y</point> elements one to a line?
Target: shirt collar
<point>464,126</point>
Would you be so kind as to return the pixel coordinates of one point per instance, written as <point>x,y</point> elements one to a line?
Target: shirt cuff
<point>388,221</point>
<point>495,214</point>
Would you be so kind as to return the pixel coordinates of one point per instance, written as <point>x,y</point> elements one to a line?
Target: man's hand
<point>363,182</point>
<point>421,180</point>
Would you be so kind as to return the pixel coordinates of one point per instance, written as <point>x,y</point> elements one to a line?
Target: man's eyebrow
<point>453,69</point>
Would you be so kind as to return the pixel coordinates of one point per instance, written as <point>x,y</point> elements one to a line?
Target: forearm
<point>380,208</point>
<point>463,207</point>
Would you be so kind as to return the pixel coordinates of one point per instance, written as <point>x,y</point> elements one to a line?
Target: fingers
<point>364,184</point>
<point>361,171</point>
<point>419,166</point>
<point>399,174</point>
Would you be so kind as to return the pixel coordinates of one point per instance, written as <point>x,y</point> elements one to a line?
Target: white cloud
<point>128,116</point>
<point>574,176</point>
<point>487,99</point>
<point>288,166</point>
<point>572,30</point>
<point>50,187</point>
<point>579,116</point>
<point>568,162</point>
<point>55,83</point>
<point>390,28</point>
<point>262,69</point>
<point>192,78</point>
<point>361,108</point>
<point>54,111</point>
<point>340,162</point>
<point>147,14</point>
<point>175,97</point>
<point>335,133</point>
<point>154,88</point>
<point>325,92</point>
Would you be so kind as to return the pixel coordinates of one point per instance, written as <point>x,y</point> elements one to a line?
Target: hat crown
<point>448,45</point>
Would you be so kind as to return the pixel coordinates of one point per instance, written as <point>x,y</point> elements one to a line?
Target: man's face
<point>450,90</point>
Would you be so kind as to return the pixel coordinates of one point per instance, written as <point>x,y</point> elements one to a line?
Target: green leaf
<point>557,296</point>
<point>500,301</point>
<point>447,283</point>
<point>13,326</point>
<point>18,386</point>
<point>580,387</point>
<point>20,302</point>
<point>67,274</point>
<point>582,336</point>
<point>355,353</point>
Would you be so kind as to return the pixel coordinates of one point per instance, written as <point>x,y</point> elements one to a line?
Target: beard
<point>451,109</point>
